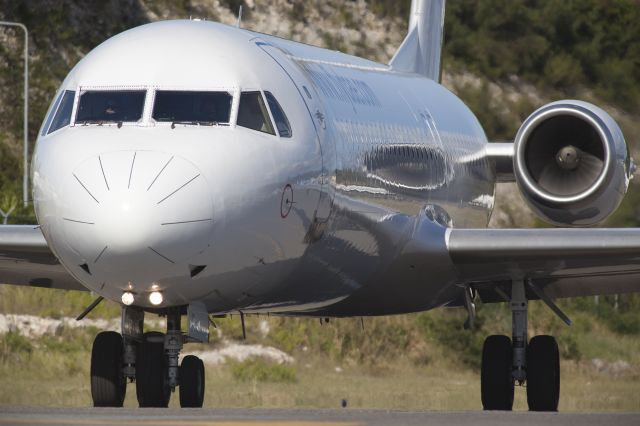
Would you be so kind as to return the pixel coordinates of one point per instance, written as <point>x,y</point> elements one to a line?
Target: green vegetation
<point>379,341</point>
<point>234,5</point>
<point>391,8</point>
<point>257,369</point>
<point>417,361</point>
<point>53,303</point>
<point>567,45</point>
<point>59,35</point>
<point>13,346</point>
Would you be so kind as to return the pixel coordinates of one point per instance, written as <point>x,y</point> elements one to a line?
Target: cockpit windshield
<point>192,107</point>
<point>185,107</point>
<point>110,106</point>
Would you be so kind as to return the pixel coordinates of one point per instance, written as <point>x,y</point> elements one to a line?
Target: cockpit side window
<point>62,115</point>
<point>253,113</point>
<point>192,107</point>
<point>110,106</point>
<point>282,123</point>
<point>52,112</point>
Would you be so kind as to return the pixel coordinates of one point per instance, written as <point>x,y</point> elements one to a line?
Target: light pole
<point>25,177</point>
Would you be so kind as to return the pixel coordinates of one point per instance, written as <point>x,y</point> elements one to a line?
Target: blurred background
<point>504,58</point>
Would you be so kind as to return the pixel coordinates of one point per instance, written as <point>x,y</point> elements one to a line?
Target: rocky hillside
<point>550,56</point>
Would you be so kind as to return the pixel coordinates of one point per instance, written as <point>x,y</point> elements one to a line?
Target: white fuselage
<point>299,224</point>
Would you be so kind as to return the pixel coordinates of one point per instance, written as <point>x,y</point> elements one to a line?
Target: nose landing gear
<point>108,384</point>
<point>505,363</point>
<point>151,359</point>
<point>152,387</point>
<point>191,382</point>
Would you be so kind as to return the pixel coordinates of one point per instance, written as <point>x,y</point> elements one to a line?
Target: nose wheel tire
<point>108,384</point>
<point>191,382</point>
<point>152,388</point>
<point>496,375</point>
<point>543,374</point>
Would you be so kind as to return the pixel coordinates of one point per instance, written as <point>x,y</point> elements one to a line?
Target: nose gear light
<point>155,297</point>
<point>127,298</point>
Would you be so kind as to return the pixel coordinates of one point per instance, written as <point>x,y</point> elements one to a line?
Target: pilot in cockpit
<point>111,108</point>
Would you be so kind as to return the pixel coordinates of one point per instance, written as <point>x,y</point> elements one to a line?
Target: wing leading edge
<point>25,259</point>
<point>563,262</point>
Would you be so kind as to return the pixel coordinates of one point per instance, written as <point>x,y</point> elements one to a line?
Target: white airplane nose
<point>136,216</point>
<point>127,221</point>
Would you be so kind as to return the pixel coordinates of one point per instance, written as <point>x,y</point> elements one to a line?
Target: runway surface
<point>252,417</point>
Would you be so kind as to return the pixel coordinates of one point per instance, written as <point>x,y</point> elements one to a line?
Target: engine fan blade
<point>561,181</point>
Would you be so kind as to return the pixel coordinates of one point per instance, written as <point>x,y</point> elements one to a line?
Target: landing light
<point>127,298</point>
<point>155,297</point>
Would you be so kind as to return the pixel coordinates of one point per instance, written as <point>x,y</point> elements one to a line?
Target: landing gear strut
<point>151,359</point>
<point>506,362</point>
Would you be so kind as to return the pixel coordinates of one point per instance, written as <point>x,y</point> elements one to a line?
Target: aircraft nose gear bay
<point>194,170</point>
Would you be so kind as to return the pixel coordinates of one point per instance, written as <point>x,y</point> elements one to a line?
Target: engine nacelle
<point>571,163</point>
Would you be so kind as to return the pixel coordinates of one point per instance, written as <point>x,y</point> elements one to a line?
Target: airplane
<point>189,168</point>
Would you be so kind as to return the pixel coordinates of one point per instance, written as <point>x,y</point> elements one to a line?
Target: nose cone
<point>136,216</point>
<point>127,221</point>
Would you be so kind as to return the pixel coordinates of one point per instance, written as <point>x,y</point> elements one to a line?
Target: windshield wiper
<point>99,122</point>
<point>194,123</point>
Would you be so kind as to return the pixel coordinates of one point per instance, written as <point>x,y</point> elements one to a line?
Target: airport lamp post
<point>25,177</point>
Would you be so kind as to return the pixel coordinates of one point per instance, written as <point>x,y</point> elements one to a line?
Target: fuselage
<point>299,216</point>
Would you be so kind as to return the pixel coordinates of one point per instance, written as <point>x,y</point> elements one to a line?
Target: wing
<point>25,259</point>
<point>563,262</point>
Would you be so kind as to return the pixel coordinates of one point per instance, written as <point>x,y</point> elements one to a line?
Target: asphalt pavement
<point>304,417</point>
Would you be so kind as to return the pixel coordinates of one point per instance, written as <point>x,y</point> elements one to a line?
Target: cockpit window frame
<point>142,121</point>
<point>267,93</point>
<point>232,92</point>
<point>266,105</point>
<point>51,113</point>
<point>146,119</point>
<point>119,123</point>
<point>245,90</point>
<point>60,108</point>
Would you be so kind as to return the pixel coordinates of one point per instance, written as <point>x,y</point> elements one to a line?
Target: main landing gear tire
<point>191,382</point>
<point>496,375</point>
<point>543,374</point>
<point>152,388</point>
<point>108,384</point>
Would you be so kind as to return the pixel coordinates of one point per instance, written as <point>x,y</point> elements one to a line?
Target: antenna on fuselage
<point>239,17</point>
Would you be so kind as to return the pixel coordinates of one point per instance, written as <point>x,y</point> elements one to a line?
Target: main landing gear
<point>151,359</point>
<point>506,362</point>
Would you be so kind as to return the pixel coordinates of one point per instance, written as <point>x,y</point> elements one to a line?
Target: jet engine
<point>571,163</point>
